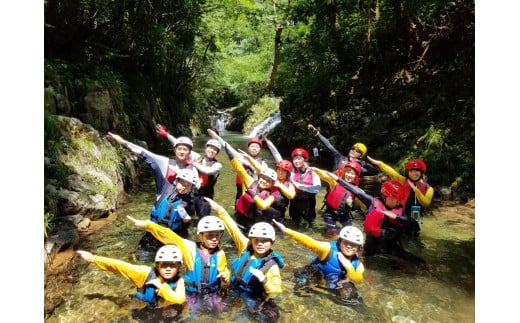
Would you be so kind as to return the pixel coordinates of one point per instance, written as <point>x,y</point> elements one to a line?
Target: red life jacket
<point>246,201</point>
<point>306,179</point>
<point>337,198</point>
<point>375,216</point>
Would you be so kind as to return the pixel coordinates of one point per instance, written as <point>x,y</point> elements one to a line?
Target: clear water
<point>394,290</point>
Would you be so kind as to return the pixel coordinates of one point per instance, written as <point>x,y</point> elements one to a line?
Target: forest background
<point>495,92</point>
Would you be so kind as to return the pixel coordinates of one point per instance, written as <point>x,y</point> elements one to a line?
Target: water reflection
<point>394,290</point>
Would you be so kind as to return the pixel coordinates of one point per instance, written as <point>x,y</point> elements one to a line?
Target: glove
<point>161,131</point>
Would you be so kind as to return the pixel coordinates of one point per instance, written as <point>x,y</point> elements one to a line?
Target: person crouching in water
<point>255,272</point>
<point>339,262</point>
<point>207,270</point>
<point>384,221</point>
<point>339,200</point>
<point>161,286</point>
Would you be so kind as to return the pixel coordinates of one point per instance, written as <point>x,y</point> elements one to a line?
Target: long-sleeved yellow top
<point>247,180</point>
<point>137,274</point>
<point>322,250</point>
<point>287,188</point>
<point>332,183</point>
<point>188,247</point>
<point>273,284</point>
<point>424,199</point>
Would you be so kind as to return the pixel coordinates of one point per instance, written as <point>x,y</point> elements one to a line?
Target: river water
<point>394,290</point>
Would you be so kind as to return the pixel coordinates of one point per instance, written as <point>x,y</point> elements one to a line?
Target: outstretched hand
<point>214,205</point>
<point>116,137</point>
<point>138,223</point>
<point>88,256</point>
<point>212,133</point>
<point>373,161</point>
<point>313,129</point>
<point>161,130</point>
<point>280,226</point>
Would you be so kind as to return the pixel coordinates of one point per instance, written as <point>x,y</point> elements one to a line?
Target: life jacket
<point>203,278</point>
<point>164,211</point>
<point>241,277</point>
<point>375,219</point>
<point>410,195</point>
<point>246,204</point>
<point>207,181</point>
<point>148,292</point>
<point>330,267</point>
<point>340,199</point>
<point>171,174</point>
<point>304,178</point>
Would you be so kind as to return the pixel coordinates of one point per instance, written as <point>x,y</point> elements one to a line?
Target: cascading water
<point>267,125</point>
<point>220,121</point>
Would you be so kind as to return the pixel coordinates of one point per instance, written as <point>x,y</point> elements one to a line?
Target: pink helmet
<point>285,165</point>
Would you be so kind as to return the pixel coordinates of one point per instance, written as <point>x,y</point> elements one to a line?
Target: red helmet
<point>416,164</point>
<point>300,152</point>
<point>354,165</point>
<point>393,188</point>
<point>285,165</point>
<point>255,141</point>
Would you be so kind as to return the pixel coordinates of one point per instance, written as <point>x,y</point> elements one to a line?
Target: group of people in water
<point>185,190</point>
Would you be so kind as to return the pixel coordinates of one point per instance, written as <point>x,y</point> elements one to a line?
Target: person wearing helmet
<point>384,222</point>
<point>339,201</point>
<point>335,261</point>
<point>308,185</point>
<point>158,286</point>
<point>418,194</point>
<point>172,206</point>
<point>207,165</point>
<point>254,149</point>
<point>256,276</point>
<point>206,264</point>
<point>283,182</point>
<point>356,153</point>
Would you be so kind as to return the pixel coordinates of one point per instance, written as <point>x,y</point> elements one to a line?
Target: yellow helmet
<point>361,147</point>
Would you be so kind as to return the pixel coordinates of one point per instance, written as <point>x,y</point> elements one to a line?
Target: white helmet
<point>215,143</point>
<point>262,230</point>
<point>210,223</point>
<point>168,253</point>
<point>269,173</point>
<point>352,234</point>
<point>188,175</point>
<point>184,141</point>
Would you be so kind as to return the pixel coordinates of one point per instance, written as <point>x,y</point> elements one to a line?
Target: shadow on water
<point>394,290</point>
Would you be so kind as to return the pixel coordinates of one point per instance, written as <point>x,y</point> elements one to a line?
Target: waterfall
<point>267,125</point>
<point>220,121</point>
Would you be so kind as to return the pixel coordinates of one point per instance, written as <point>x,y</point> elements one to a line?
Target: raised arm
<point>272,148</point>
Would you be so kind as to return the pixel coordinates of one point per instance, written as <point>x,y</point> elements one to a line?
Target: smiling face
<point>348,249</point>
<point>211,151</point>
<point>264,182</point>
<point>414,174</point>
<point>298,161</point>
<point>350,175</point>
<point>261,245</point>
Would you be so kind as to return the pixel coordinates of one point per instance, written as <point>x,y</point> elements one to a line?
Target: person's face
<point>254,149</point>
<point>348,249</point>
<point>183,187</point>
<point>264,182</point>
<point>210,239</point>
<point>414,174</point>
<point>168,269</point>
<point>211,151</point>
<point>355,153</point>
<point>281,174</point>
<point>350,175</point>
<point>182,152</point>
<point>261,245</point>
<point>391,202</point>
<point>298,161</point>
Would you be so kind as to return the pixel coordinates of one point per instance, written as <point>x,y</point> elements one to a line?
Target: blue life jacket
<point>148,293</point>
<point>203,278</point>
<point>164,211</point>
<point>243,280</point>
<point>330,267</point>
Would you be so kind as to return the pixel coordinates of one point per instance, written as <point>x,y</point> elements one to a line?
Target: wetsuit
<point>303,205</point>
